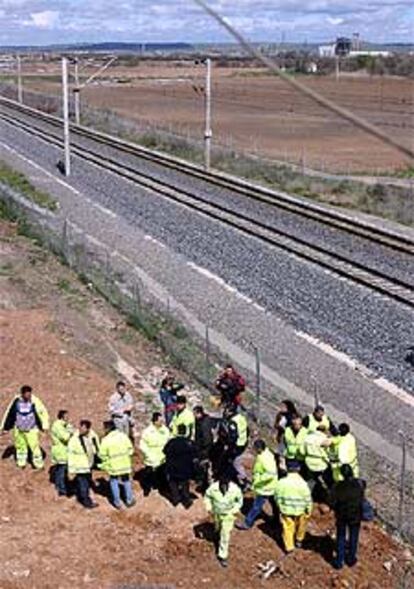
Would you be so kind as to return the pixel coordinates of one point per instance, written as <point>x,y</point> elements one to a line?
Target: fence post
<point>137,298</point>
<point>402,482</point>
<point>258,385</point>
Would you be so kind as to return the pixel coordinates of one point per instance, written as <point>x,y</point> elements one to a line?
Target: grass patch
<point>21,184</point>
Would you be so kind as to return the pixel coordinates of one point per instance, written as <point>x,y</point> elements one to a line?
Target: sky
<point>34,22</point>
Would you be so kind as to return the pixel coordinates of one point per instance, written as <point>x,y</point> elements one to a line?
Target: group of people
<point>313,459</point>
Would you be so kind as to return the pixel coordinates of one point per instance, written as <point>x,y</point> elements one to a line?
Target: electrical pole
<point>76,92</point>
<point>208,133</point>
<point>66,138</point>
<point>337,68</point>
<point>19,80</point>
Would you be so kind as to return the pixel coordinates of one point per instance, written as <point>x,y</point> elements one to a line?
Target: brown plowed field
<point>259,113</point>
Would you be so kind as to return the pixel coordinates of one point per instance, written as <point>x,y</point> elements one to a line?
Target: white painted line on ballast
<point>383,383</point>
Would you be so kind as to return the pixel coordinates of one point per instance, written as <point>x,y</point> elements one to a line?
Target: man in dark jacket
<point>347,498</point>
<point>230,384</point>
<point>204,440</point>
<point>179,467</point>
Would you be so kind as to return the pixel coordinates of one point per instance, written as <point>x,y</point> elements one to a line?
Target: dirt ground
<point>256,112</point>
<point>59,336</point>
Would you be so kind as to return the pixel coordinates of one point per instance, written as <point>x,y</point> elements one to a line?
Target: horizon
<point>68,22</point>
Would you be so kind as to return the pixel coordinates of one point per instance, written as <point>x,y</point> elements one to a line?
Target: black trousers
<point>152,479</point>
<point>83,485</point>
<point>180,492</point>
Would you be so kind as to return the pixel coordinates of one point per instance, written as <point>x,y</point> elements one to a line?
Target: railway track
<point>360,273</point>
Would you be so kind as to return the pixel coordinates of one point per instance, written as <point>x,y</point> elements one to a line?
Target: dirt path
<point>57,335</point>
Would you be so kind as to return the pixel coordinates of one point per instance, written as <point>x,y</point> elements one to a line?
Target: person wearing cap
<point>153,441</point>
<point>26,416</point>
<point>347,500</point>
<point>115,454</point>
<point>294,500</point>
<point>224,500</point>
<point>264,483</point>
<point>317,418</point>
<point>183,416</point>
<point>120,408</point>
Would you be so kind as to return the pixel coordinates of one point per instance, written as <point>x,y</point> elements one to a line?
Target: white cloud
<point>48,19</point>
<point>51,21</point>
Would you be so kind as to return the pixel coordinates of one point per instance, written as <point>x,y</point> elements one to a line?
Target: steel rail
<point>392,287</point>
<point>329,217</point>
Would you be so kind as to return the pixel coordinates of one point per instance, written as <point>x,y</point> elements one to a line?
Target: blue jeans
<point>351,556</point>
<point>59,475</point>
<point>115,484</point>
<point>257,507</point>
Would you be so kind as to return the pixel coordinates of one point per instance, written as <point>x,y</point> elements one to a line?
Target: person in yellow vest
<point>183,416</point>
<point>115,454</point>
<point>294,500</point>
<point>317,418</point>
<point>346,452</point>
<point>224,500</point>
<point>60,432</point>
<point>317,462</point>
<point>294,440</point>
<point>264,483</point>
<point>82,451</point>
<point>238,438</point>
<point>152,444</point>
<point>26,416</point>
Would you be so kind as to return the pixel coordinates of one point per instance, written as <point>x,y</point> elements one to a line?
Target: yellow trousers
<point>293,529</point>
<point>224,525</point>
<point>22,442</point>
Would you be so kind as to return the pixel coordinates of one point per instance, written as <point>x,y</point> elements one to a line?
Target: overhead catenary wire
<point>313,94</point>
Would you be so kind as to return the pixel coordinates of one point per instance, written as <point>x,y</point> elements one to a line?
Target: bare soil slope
<point>57,335</point>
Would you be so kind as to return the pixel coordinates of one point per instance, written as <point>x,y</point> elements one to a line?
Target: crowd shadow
<point>206,531</point>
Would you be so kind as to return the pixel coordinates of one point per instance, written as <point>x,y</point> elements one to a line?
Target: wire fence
<point>160,318</point>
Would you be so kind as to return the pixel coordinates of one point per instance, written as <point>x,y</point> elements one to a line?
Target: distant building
<point>327,50</point>
<point>368,53</point>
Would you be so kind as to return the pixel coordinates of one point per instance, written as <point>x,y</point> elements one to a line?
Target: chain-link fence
<point>161,319</point>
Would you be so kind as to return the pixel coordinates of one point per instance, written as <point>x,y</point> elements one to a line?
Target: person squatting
<point>313,461</point>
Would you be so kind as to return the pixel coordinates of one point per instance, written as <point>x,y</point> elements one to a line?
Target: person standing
<point>294,500</point>
<point>264,483</point>
<point>82,451</point>
<point>347,500</point>
<point>183,416</point>
<point>294,440</point>
<point>27,416</point>
<point>239,439</point>
<point>346,452</point>
<point>168,395</point>
<point>230,384</point>
<point>153,441</point>
<point>224,500</point>
<point>60,432</point>
<point>179,466</point>
<point>317,461</point>
<point>317,418</point>
<point>204,441</point>
<point>120,408</point>
<point>115,454</point>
